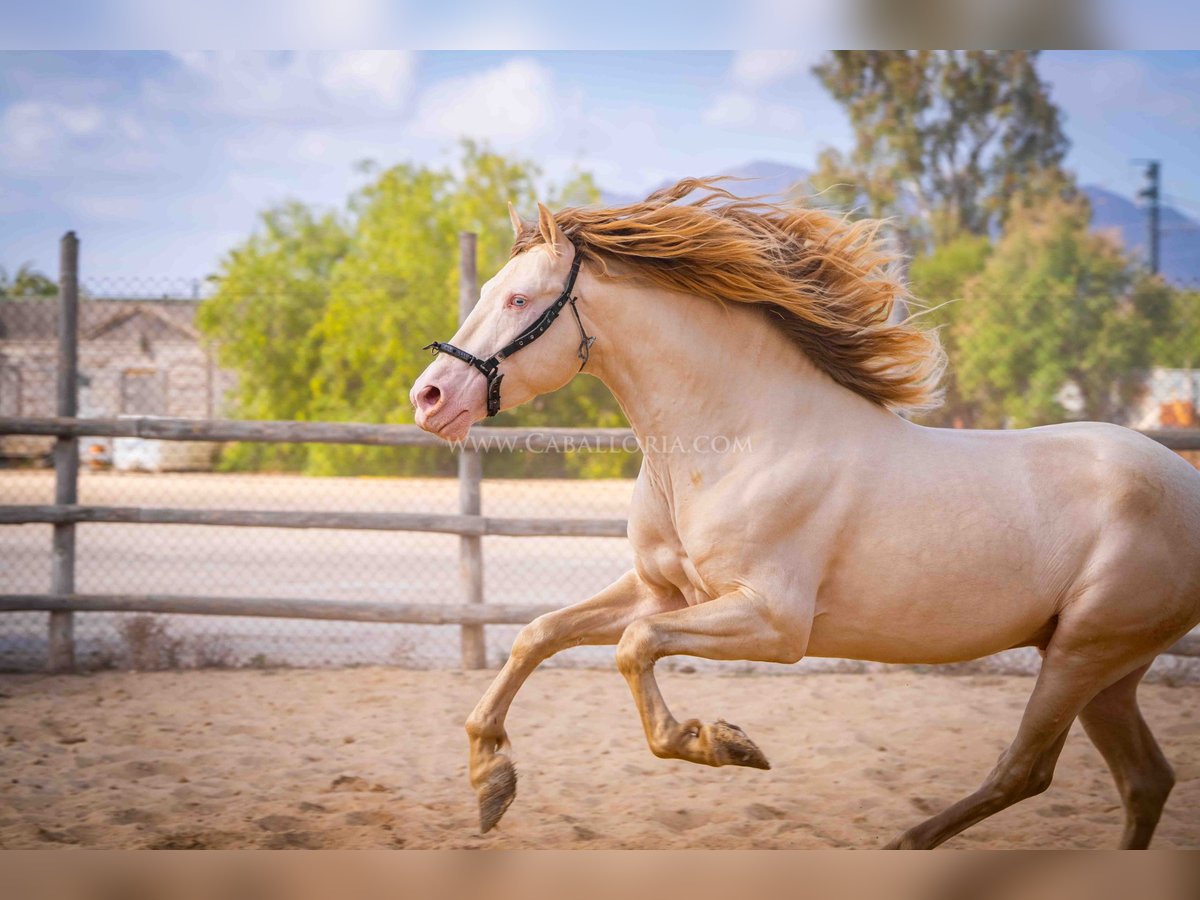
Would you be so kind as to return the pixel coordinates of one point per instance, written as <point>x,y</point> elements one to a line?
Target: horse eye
<point>518,301</point>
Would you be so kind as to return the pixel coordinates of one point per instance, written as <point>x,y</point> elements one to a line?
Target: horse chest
<point>663,559</point>
<point>678,570</point>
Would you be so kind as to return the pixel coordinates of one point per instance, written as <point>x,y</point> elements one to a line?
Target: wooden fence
<point>469,524</point>
<point>471,615</point>
<point>62,602</point>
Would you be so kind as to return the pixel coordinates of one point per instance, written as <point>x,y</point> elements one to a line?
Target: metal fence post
<point>66,455</point>
<point>470,478</point>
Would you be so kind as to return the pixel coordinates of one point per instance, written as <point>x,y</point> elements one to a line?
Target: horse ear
<point>517,225</point>
<point>547,226</point>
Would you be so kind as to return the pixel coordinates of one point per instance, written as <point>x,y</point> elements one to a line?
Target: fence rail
<point>482,438</point>
<point>469,614</point>
<point>466,525</point>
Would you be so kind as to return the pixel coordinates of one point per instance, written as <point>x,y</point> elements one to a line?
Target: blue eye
<point>518,301</point>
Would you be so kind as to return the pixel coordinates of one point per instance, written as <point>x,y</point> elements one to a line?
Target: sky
<point>160,161</point>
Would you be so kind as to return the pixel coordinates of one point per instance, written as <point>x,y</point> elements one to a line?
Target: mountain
<point>1180,236</point>
<point>1179,242</point>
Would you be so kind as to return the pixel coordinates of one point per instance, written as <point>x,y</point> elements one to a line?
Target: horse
<point>826,523</point>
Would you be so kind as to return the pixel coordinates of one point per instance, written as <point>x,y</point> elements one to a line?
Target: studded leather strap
<point>490,367</point>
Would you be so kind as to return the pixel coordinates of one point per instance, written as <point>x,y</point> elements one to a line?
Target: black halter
<point>490,367</point>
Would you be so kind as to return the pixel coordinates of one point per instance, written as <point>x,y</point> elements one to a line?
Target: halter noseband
<point>490,367</point>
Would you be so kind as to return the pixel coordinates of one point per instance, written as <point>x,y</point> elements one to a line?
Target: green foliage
<point>1054,306</point>
<point>957,148</point>
<point>324,319</point>
<point>939,279</point>
<point>944,140</point>
<point>26,283</point>
<point>1177,345</point>
<point>271,293</point>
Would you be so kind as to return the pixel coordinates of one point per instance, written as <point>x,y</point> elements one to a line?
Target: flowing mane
<point>829,284</point>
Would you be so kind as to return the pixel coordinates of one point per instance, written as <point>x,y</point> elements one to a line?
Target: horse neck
<point>687,368</point>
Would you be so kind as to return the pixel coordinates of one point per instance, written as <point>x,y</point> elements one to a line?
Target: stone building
<point>136,358</point>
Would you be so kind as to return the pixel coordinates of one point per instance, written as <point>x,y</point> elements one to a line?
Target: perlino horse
<point>846,530</point>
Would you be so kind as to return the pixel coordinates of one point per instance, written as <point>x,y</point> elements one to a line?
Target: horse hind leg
<point>1144,778</point>
<point>1072,675</point>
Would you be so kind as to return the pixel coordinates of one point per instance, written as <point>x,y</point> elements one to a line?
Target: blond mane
<point>828,283</point>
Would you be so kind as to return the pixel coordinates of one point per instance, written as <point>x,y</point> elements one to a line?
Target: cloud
<point>286,23</point>
<point>1099,88</point>
<point>108,208</point>
<point>741,109</point>
<point>377,76</point>
<point>511,102</point>
<point>761,68</point>
<point>34,133</point>
<point>31,128</point>
<point>295,86</point>
<point>796,23</point>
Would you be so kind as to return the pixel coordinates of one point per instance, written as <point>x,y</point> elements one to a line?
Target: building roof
<point>109,319</point>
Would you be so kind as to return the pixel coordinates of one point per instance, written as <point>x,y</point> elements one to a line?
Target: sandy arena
<point>376,758</point>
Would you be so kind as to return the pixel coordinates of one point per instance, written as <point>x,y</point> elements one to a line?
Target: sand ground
<point>376,758</point>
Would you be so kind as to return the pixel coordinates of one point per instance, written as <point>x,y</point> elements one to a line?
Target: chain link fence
<point>140,354</point>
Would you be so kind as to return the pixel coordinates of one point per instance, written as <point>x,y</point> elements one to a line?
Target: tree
<point>271,292</point>
<point>1177,345</point>
<point>940,278</point>
<point>1056,311</point>
<point>325,319</point>
<point>27,283</point>
<point>396,290</point>
<point>944,140</point>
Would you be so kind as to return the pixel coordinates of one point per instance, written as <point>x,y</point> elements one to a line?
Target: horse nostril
<point>428,398</point>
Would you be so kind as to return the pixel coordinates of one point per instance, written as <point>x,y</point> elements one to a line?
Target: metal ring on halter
<point>490,367</point>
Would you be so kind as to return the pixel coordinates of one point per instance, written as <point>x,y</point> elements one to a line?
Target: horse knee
<point>532,639</point>
<point>636,649</point>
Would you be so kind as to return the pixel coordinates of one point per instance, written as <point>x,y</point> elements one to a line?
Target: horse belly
<point>937,608</point>
<point>928,635</point>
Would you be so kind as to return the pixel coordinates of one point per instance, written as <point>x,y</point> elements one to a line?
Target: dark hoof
<point>496,794</point>
<point>732,748</point>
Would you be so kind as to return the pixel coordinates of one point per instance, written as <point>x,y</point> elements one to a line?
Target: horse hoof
<point>731,747</point>
<point>496,794</point>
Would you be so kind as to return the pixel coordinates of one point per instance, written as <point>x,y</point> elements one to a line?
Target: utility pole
<point>1150,193</point>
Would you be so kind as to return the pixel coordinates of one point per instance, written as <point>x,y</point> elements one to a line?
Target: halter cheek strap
<point>490,367</point>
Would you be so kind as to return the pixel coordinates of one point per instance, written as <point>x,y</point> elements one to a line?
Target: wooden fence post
<point>61,649</point>
<point>470,478</point>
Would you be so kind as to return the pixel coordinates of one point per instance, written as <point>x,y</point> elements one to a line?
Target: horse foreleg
<point>740,625</point>
<point>599,620</point>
